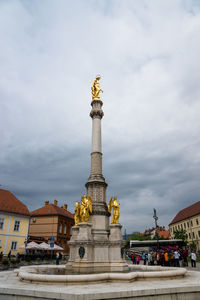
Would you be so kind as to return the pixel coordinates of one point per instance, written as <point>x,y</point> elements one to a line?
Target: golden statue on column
<point>116,210</point>
<point>77,214</point>
<point>96,88</point>
<point>83,210</point>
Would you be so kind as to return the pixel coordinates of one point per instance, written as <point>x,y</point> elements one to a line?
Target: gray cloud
<point>147,53</point>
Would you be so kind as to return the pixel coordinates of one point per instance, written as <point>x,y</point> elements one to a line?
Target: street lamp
<point>156,219</point>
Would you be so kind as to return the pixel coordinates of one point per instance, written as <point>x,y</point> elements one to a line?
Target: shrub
<point>13,261</point>
<point>28,258</point>
<point>5,262</point>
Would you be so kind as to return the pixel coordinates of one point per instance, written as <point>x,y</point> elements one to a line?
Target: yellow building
<point>188,219</point>
<point>14,223</point>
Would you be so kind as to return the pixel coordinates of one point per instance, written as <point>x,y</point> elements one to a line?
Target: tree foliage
<point>136,236</point>
<point>139,236</point>
<point>181,235</point>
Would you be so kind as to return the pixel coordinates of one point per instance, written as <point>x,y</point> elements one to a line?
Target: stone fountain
<point>96,251</point>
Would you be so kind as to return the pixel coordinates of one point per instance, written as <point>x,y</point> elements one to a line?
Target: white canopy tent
<point>31,246</point>
<point>42,246</point>
<point>56,247</point>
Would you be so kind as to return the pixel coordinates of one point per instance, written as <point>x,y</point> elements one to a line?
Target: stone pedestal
<point>74,232</point>
<point>115,233</point>
<point>116,248</point>
<point>89,254</point>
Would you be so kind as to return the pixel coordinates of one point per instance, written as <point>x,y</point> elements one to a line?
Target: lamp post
<point>125,234</point>
<point>156,219</point>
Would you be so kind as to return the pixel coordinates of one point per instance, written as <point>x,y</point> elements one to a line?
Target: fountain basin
<point>136,272</point>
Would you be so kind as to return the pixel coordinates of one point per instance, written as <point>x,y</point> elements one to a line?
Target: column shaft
<point>96,135</point>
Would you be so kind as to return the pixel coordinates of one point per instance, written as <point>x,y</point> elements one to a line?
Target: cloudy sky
<point>147,53</point>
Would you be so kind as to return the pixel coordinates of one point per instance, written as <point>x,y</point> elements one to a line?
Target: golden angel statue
<point>85,208</point>
<point>96,88</point>
<point>77,214</point>
<point>116,210</point>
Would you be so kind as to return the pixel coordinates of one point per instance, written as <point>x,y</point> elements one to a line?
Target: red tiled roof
<point>187,212</point>
<point>52,209</point>
<point>164,233</point>
<point>9,203</point>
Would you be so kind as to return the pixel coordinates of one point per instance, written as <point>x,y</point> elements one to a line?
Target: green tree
<point>160,237</point>
<point>139,236</point>
<point>193,246</point>
<point>136,236</point>
<point>181,235</point>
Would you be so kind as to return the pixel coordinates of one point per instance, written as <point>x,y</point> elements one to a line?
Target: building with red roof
<point>51,221</point>
<point>14,223</point>
<point>162,232</point>
<point>188,219</point>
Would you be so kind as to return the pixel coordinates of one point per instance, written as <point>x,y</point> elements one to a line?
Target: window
<point>199,233</point>
<point>1,223</point>
<point>178,227</point>
<point>14,246</point>
<point>184,225</point>
<point>197,221</point>
<point>181,226</point>
<point>16,226</point>
<point>60,228</point>
<point>193,235</point>
<point>191,223</point>
<point>189,235</point>
<point>188,224</point>
<point>65,229</point>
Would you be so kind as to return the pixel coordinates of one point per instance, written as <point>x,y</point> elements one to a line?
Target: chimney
<point>65,206</point>
<point>47,202</point>
<point>55,202</point>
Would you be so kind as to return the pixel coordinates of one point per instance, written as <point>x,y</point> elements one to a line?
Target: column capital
<point>96,111</point>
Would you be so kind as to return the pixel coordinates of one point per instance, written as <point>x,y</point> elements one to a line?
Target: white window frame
<point>3,221</point>
<point>12,245</point>
<point>17,220</point>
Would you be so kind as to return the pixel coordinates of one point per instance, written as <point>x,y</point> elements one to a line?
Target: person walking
<point>166,259</point>
<point>144,257</point>
<point>133,258</point>
<point>9,255</point>
<point>193,259</point>
<point>185,256</point>
<point>57,258</point>
<point>176,259</point>
<point>149,258</point>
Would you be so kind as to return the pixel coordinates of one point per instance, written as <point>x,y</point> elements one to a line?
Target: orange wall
<point>43,226</point>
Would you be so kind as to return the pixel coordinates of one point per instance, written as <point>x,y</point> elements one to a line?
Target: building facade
<point>188,219</point>
<point>14,223</point>
<point>162,232</point>
<point>51,221</point>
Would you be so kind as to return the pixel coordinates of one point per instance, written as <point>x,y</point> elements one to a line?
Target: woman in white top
<point>193,259</point>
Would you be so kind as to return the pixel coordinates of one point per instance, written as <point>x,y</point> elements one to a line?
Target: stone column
<point>96,185</point>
